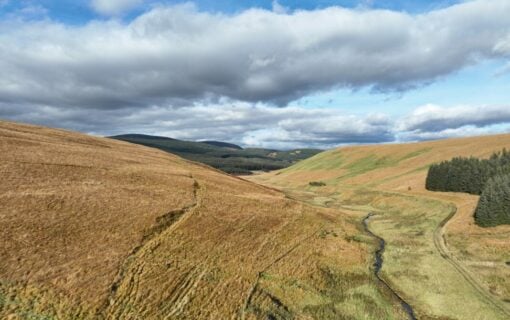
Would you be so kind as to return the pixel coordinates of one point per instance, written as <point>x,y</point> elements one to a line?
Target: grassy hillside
<point>436,257</point>
<point>95,228</point>
<point>223,156</point>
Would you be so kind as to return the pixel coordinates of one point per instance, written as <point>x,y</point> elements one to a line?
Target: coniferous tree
<point>489,178</point>
<point>494,206</point>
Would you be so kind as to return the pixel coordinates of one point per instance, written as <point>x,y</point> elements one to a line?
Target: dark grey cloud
<point>178,56</point>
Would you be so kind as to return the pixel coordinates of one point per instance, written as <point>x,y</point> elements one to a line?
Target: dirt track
<point>134,264</point>
<point>440,243</point>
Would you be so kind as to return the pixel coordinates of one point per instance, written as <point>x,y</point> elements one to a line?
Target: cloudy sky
<point>266,73</point>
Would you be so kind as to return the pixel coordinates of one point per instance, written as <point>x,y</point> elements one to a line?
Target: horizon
<point>259,73</point>
<point>340,146</point>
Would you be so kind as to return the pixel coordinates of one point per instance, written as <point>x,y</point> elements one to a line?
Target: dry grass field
<point>94,228</point>
<point>445,268</point>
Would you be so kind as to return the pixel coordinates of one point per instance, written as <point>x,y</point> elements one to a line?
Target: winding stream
<point>378,265</point>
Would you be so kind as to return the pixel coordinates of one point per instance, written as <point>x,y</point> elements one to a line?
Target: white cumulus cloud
<point>179,55</point>
<point>177,71</point>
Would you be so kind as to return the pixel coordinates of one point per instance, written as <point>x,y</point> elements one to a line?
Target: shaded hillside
<point>223,156</point>
<point>95,228</point>
<point>223,144</point>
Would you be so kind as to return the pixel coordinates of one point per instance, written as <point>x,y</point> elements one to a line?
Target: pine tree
<point>489,178</point>
<point>494,206</point>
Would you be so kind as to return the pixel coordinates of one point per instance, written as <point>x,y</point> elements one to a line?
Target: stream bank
<point>378,265</point>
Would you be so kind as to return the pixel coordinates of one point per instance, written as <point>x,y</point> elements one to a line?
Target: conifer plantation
<point>494,205</point>
<point>489,178</point>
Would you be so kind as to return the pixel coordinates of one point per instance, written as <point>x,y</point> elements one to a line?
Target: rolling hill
<point>96,228</point>
<point>224,156</point>
<point>436,258</point>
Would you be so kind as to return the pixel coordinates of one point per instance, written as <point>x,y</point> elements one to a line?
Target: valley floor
<point>436,258</point>
<point>425,261</point>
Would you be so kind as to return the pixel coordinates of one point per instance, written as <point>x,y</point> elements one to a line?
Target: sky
<point>277,74</point>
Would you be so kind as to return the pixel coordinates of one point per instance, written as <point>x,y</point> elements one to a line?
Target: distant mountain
<point>223,144</point>
<point>224,156</point>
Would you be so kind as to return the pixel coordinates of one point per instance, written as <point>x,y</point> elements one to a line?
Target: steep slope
<point>445,268</point>
<point>94,228</point>
<point>223,156</point>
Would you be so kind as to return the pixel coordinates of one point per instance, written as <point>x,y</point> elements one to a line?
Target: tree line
<point>489,178</point>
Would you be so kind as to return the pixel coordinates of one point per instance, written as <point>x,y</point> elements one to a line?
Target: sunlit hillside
<point>391,166</point>
<point>432,260</point>
<point>94,228</point>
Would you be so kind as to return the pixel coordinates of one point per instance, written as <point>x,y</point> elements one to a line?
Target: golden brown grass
<point>94,228</point>
<point>353,174</point>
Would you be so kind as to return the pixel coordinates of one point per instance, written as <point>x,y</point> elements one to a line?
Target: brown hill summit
<point>97,228</point>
